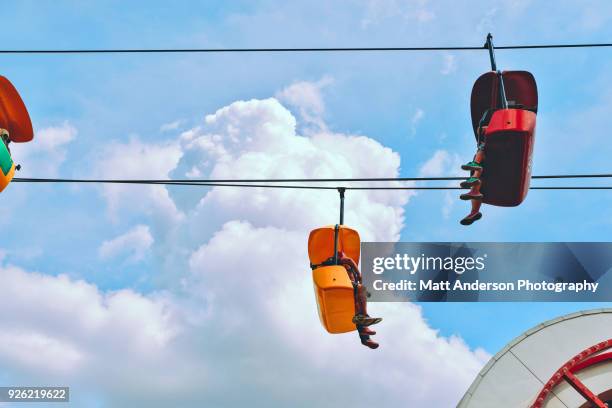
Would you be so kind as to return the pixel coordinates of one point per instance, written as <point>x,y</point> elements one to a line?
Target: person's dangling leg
<point>362,320</point>
<point>474,183</point>
<point>474,215</point>
<point>361,317</point>
<point>364,336</point>
<point>366,330</point>
<point>475,167</point>
<point>476,163</point>
<point>474,193</point>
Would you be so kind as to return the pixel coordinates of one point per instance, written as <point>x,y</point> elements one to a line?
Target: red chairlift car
<point>506,103</point>
<point>14,116</point>
<point>17,127</point>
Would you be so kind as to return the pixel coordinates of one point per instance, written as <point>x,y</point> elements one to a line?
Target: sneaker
<point>471,218</point>
<point>370,343</point>
<point>471,196</point>
<point>471,166</point>
<point>471,182</point>
<point>361,320</point>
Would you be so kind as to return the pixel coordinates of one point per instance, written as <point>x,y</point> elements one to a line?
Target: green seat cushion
<point>6,162</point>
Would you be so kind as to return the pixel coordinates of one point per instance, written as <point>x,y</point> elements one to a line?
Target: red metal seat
<point>509,133</point>
<point>14,116</point>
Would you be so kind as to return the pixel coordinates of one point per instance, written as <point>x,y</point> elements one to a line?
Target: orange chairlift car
<point>503,109</point>
<point>15,126</point>
<point>334,252</point>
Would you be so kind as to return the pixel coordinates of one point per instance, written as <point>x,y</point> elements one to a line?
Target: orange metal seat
<point>334,290</point>
<point>335,298</point>
<point>321,243</point>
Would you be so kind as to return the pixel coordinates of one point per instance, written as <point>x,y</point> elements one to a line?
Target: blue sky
<point>413,103</point>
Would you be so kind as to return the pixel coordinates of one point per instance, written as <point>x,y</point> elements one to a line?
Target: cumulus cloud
<point>307,98</point>
<point>44,156</point>
<point>436,165</point>
<point>242,323</point>
<point>258,139</point>
<point>139,160</point>
<point>259,336</point>
<point>254,139</point>
<point>135,243</point>
<point>241,259</point>
<point>116,344</point>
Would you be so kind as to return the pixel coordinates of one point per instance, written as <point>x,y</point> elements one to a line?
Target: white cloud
<point>436,165</point>
<point>592,18</point>
<point>43,156</point>
<point>167,127</point>
<point>138,160</point>
<point>247,317</point>
<point>444,164</point>
<point>419,114</point>
<point>244,312</point>
<point>449,65</point>
<point>307,98</point>
<point>60,331</point>
<point>135,243</point>
<point>486,23</point>
<point>258,139</point>
<point>378,11</point>
<point>53,137</point>
<point>449,203</point>
<point>276,297</point>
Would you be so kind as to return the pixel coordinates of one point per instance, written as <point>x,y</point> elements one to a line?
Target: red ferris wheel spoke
<point>577,363</point>
<point>583,390</point>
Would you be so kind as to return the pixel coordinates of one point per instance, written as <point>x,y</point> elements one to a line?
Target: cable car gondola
<point>334,253</point>
<point>503,106</point>
<point>15,126</point>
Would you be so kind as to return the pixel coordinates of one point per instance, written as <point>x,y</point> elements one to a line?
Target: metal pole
<point>502,90</point>
<point>336,236</point>
<point>341,190</point>
<point>489,45</point>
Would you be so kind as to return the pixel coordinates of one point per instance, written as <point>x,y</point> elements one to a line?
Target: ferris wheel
<point>562,363</point>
